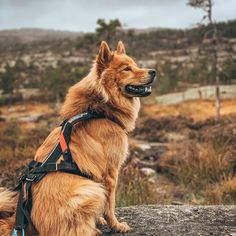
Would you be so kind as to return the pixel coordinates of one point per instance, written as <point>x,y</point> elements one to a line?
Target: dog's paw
<point>98,233</point>
<point>121,227</point>
<point>102,221</point>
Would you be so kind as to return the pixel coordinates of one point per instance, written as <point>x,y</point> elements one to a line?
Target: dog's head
<point>120,75</point>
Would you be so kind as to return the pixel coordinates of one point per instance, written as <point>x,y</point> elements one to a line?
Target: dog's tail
<point>8,202</point>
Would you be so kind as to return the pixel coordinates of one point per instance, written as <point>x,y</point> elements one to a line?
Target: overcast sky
<point>81,15</point>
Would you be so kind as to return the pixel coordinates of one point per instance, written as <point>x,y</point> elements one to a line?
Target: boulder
<point>177,220</point>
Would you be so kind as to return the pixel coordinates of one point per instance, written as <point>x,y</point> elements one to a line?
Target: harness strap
<point>27,206</point>
<point>23,209</point>
<point>62,167</point>
<point>63,143</point>
<point>35,171</point>
<point>20,220</point>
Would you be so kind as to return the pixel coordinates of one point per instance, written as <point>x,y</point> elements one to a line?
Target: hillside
<point>35,58</point>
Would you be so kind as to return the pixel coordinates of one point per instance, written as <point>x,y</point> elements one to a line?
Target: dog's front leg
<point>109,213</point>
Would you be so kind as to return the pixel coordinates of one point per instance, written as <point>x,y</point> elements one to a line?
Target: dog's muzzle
<point>144,89</point>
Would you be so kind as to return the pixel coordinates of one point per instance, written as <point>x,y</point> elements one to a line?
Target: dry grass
<point>196,109</point>
<point>18,147</point>
<point>27,109</point>
<point>195,171</point>
<point>134,188</point>
<point>203,169</point>
<point>223,192</point>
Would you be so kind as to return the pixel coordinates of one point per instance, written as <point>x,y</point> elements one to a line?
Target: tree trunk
<point>215,60</point>
<point>216,69</point>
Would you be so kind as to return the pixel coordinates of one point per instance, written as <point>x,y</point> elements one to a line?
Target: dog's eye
<point>127,68</point>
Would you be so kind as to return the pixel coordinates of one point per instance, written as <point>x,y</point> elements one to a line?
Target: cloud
<point>81,15</point>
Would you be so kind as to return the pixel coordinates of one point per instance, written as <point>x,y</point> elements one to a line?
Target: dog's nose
<point>152,73</point>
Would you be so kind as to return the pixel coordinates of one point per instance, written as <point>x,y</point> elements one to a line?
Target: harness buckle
<point>31,178</point>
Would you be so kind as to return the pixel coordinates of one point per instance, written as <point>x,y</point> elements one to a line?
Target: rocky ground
<point>178,220</point>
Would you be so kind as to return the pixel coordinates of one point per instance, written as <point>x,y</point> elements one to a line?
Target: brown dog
<point>67,204</point>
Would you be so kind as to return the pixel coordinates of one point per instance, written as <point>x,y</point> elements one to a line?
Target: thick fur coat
<point>67,204</point>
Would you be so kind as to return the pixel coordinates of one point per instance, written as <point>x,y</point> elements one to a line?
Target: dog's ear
<point>105,53</point>
<point>120,48</point>
<point>104,57</point>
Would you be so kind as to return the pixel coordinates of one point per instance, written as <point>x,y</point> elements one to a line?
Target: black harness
<point>35,171</point>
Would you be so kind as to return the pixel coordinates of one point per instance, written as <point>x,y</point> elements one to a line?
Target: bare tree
<point>206,6</point>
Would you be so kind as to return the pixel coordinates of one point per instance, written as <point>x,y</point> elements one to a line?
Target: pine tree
<point>107,30</point>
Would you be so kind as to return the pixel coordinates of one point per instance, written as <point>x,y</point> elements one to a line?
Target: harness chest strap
<point>35,171</point>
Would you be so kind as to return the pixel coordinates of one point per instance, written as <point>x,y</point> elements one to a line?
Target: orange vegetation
<point>196,109</point>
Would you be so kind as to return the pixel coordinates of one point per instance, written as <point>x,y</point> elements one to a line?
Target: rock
<point>11,109</point>
<point>30,118</point>
<point>177,220</point>
<point>148,171</point>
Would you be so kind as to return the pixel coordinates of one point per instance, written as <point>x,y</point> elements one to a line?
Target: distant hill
<point>27,35</point>
<point>146,39</point>
<point>183,58</point>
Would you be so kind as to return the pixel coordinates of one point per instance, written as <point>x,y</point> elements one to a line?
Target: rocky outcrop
<point>178,220</point>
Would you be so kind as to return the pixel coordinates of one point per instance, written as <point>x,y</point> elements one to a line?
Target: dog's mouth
<point>139,90</point>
